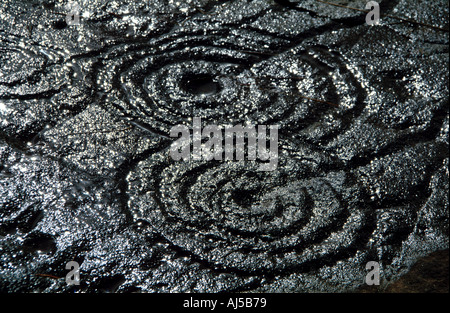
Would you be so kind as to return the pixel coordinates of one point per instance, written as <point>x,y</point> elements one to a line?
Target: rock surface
<point>85,170</point>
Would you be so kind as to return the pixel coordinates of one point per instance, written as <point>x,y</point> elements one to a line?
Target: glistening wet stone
<point>85,169</point>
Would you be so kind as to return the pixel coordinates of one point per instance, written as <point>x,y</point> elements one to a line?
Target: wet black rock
<point>85,170</point>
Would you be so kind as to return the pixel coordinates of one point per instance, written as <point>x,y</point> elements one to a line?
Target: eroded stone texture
<point>85,170</point>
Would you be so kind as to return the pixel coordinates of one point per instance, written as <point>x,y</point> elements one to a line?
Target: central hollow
<point>244,198</point>
<point>200,84</point>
